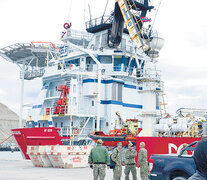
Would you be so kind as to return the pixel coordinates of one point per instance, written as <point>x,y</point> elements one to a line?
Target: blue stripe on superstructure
<point>37,106</point>
<point>121,103</point>
<point>157,107</point>
<point>90,80</point>
<point>130,86</point>
<point>111,102</point>
<point>102,81</point>
<point>111,81</point>
<point>132,105</point>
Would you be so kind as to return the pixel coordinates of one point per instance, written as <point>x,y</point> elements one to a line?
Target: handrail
<point>42,42</point>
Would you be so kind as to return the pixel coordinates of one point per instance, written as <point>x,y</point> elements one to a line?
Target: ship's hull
<point>50,136</point>
<point>37,136</point>
<point>154,145</point>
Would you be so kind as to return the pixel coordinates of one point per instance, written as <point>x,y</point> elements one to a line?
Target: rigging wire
<point>105,7</point>
<point>6,139</point>
<point>156,14</point>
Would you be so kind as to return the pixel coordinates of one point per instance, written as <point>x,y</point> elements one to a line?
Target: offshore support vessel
<point>100,81</point>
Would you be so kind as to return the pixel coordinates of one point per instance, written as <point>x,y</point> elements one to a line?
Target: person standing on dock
<point>142,161</point>
<point>117,158</point>
<point>200,158</point>
<point>98,159</point>
<point>130,164</point>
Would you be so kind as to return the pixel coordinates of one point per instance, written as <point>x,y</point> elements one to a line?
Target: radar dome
<point>156,44</point>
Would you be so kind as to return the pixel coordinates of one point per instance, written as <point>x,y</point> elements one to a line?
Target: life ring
<point>76,131</point>
<point>67,26</point>
<point>70,67</point>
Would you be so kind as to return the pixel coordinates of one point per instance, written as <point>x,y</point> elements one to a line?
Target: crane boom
<point>133,20</point>
<point>131,13</point>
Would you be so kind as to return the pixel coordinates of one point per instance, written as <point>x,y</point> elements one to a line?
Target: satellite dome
<point>156,44</point>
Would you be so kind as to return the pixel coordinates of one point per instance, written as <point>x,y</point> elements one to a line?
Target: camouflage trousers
<point>117,172</point>
<point>133,170</point>
<point>99,171</point>
<point>144,171</point>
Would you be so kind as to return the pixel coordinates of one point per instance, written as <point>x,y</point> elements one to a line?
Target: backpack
<point>112,163</point>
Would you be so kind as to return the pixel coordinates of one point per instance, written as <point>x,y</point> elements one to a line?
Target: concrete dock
<point>14,167</point>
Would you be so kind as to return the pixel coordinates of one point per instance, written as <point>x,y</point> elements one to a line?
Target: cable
<point>6,139</point>
<point>156,14</point>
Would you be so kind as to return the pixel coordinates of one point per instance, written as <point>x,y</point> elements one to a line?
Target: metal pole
<point>70,130</point>
<point>98,99</point>
<point>21,95</point>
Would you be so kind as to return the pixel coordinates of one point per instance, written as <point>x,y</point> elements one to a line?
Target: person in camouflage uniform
<point>117,158</point>
<point>142,161</point>
<point>130,164</point>
<point>98,159</point>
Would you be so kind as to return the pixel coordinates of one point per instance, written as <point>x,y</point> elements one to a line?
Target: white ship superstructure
<point>94,80</point>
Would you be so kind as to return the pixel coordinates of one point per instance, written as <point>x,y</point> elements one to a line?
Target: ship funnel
<point>156,44</point>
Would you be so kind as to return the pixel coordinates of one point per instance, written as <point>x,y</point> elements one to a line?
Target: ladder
<point>163,111</point>
<point>134,23</point>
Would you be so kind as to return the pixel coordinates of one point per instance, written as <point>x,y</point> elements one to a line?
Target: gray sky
<point>182,60</point>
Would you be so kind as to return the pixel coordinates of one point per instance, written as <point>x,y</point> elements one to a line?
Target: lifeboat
<point>127,133</point>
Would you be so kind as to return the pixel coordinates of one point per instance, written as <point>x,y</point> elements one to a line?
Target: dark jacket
<point>200,158</point>
<point>99,155</point>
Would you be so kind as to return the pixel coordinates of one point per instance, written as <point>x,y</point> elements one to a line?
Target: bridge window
<point>89,64</point>
<point>74,101</point>
<point>106,59</point>
<point>104,40</point>
<point>121,63</point>
<point>97,42</point>
<point>74,88</point>
<point>123,44</point>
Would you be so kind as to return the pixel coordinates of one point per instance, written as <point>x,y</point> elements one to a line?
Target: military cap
<point>185,145</point>
<point>119,144</point>
<point>130,144</point>
<point>100,141</point>
<point>142,144</point>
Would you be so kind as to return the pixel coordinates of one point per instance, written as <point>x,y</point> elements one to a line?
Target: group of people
<point>99,159</point>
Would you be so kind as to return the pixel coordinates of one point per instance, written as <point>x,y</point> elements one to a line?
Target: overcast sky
<point>182,61</point>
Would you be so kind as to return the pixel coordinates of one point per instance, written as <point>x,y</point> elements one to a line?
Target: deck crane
<point>133,14</point>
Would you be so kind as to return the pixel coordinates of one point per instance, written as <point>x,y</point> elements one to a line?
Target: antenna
<point>105,9</point>
<point>156,14</point>
<point>89,12</point>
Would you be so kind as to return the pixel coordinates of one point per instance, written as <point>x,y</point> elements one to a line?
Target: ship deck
<point>14,167</point>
